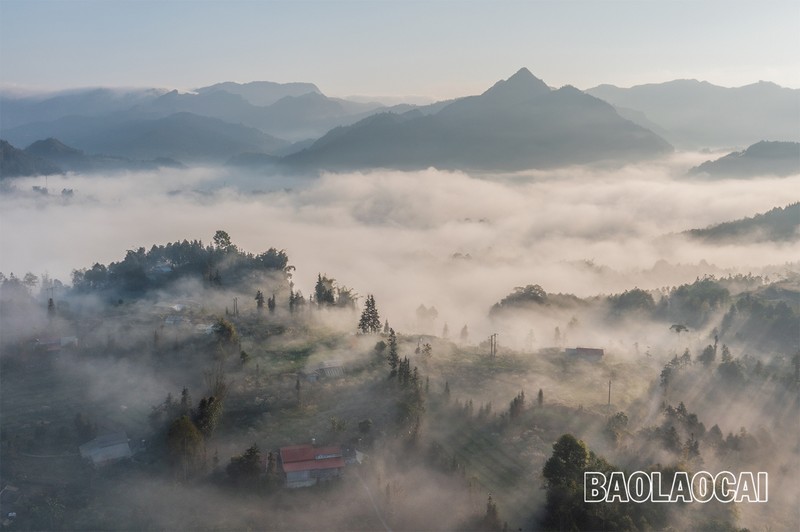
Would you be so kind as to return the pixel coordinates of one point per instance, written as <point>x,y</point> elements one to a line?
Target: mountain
<point>73,160</point>
<point>181,136</point>
<point>261,93</point>
<point>16,163</point>
<point>18,111</point>
<point>292,116</point>
<point>518,123</point>
<point>781,224</point>
<point>762,158</point>
<point>695,114</point>
<point>56,151</point>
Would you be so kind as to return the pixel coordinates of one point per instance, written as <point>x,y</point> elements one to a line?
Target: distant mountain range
<point>51,156</point>
<point>762,158</point>
<point>518,123</point>
<point>695,114</point>
<point>781,224</point>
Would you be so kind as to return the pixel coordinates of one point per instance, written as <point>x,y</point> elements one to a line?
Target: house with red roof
<point>306,465</point>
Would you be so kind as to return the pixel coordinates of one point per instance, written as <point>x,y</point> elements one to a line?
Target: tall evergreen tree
<point>393,357</point>
<point>370,321</point>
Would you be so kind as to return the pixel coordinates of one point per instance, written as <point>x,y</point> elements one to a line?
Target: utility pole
<point>493,345</point>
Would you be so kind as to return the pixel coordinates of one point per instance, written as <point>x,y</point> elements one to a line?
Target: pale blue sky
<point>381,48</point>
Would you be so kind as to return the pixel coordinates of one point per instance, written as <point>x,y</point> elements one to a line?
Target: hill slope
<point>781,224</point>
<point>762,158</point>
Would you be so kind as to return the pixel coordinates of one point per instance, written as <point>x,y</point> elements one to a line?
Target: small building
<point>589,353</point>
<point>306,465</point>
<point>326,370</point>
<point>106,449</point>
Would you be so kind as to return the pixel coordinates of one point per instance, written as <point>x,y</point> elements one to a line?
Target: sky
<point>436,49</point>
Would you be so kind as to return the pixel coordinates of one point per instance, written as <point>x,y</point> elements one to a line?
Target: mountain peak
<point>523,85</point>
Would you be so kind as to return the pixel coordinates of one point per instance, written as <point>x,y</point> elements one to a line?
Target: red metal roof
<point>310,465</point>
<point>301,453</point>
<point>307,458</point>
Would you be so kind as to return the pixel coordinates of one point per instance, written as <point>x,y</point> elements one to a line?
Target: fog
<point>447,239</point>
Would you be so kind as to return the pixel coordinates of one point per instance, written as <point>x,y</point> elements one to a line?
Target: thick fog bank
<point>446,239</point>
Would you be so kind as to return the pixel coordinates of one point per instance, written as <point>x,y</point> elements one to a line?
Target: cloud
<point>394,233</point>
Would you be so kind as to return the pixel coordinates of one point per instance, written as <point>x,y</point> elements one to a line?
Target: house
<point>589,353</point>
<point>106,449</point>
<point>306,465</point>
<point>326,370</point>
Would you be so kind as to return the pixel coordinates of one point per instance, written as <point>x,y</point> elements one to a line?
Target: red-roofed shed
<point>305,465</point>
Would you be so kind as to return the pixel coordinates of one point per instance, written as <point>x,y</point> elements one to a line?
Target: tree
<point>185,445</point>
<point>568,462</point>
<point>616,427</point>
<point>491,520</point>
<point>464,334</point>
<point>226,333</point>
<point>708,355</point>
<point>186,402</point>
<point>393,358</point>
<point>370,322</point>
<point>346,298</point>
<point>245,469</point>
<point>209,410</point>
<point>222,241</point>
<point>678,328</point>
<point>323,291</point>
<point>271,304</point>
<point>30,281</point>
<point>259,300</point>
<point>540,397</point>
<point>386,327</point>
<point>445,331</point>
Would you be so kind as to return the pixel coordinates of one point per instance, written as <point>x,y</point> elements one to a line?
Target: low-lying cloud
<point>431,237</point>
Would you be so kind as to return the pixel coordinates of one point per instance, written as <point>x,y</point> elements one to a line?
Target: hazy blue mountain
<point>696,114</point>
<point>518,123</point>
<point>762,158</point>
<point>781,224</point>
<point>308,115</point>
<point>71,159</point>
<point>182,136</point>
<point>16,163</point>
<point>17,111</point>
<point>261,93</point>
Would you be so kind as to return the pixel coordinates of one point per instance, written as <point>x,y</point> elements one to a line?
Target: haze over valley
<point>253,303</point>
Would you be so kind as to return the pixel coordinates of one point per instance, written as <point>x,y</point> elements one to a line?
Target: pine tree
<point>386,327</point>
<point>370,321</point>
<point>540,397</point>
<point>271,304</point>
<point>393,357</point>
<point>464,334</point>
